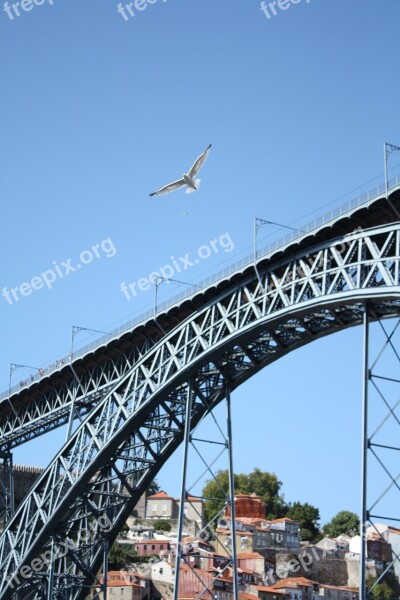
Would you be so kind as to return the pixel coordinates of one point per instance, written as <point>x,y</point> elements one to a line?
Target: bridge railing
<point>363,199</point>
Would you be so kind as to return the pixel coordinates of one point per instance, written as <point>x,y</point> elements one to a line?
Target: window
<point>161,546</point>
<point>145,547</point>
<point>161,571</point>
<point>164,508</point>
<point>153,547</point>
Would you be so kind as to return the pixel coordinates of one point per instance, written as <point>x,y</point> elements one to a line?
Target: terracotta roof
<point>161,495</point>
<point>153,541</point>
<point>251,520</point>
<point>193,596</point>
<point>228,532</point>
<point>394,530</point>
<point>293,582</point>
<point>120,579</point>
<point>246,596</point>
<point>249,555</point>
<point>263,588</point>
<point>284,520</point>
<point>248,571</point>
<point>190,499</point>
<point>339,587</point>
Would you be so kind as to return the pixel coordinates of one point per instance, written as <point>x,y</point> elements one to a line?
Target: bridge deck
<point>374,211</point>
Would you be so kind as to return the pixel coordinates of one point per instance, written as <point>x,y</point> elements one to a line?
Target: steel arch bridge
<point>131,392</point>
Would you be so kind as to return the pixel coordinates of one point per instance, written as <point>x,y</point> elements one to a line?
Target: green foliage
<point>116,558</point>
<point>345,522</point>
<point>162,525</point>
<point>308,518</point>
<point>264,484</point>
<point>382,591</point>
<point>153,488</point>
<point>121,555</point>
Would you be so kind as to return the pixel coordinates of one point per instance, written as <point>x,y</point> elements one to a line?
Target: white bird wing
<point>199,162</point>
<point>169,188</point>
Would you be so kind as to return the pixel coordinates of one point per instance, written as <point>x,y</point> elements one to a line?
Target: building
<point>331,592</point>
<point>378,549</point>
<point>247,506</point>
<point>285,533</point>
<point>193,581</point>
<point>223,542</point>
<point>269,593</point>
<point>298,588</point>
<point>151,547</point>
<point>193,509</point>
<point>251,561</point>
<point>254,534</point>
<point>123,585</point>
<point>161,506</point>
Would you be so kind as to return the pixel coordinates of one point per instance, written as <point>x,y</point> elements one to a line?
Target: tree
<point>116,558</point>
<point>308,518</point>
<point>381,591</point>
<point>264,484</point>
<point>153,488</point>
<point>162,525</point>
<point>345,522</point>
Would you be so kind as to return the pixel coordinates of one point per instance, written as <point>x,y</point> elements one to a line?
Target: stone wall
<point>314,563</point>
<point>24,478</point>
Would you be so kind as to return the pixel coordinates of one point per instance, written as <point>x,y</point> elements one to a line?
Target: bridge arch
<point>137,425</point>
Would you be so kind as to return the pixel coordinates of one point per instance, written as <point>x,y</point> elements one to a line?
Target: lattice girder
<point>138,422</point>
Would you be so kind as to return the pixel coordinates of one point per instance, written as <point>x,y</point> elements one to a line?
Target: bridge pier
<point>197,444</point>
<point>380,451</point>
<point>6,487</point>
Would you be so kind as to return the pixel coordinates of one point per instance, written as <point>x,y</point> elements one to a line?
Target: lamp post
<point>157,281</point>
<point>389,149</point>
<point>258,223</point>
<point>14,367</point>
<point>76,330</point>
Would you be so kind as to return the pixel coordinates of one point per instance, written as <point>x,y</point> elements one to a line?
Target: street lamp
<point>14,367</point>
<point>389,149</point>
<point>258,223</point>
<point>157,281</point>
<point>76,330</point>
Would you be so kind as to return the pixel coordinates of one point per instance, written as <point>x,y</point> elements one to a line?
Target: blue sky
<point>96,112</point>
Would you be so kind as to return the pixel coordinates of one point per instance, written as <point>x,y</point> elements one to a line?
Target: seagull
<point>187,178</point>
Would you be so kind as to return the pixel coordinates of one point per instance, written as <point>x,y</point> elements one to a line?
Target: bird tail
<point>190,190</point>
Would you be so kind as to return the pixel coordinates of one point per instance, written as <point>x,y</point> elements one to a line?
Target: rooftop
<point>160,495</point>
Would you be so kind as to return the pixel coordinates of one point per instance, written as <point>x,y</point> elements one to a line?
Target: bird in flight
<point>187,178</point>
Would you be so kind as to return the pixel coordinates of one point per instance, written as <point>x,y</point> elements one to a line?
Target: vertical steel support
<point>255,250</point>
<point>364,465</point>
<point>385,158</point>
<point>7,487</point>
<point>232,493</point>
<point>105,568</point>
<point>50,588</point>
<point>183,489</point>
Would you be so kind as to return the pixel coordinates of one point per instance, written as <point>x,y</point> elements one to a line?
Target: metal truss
<point>46,403</point>
<point>139,421</point>
<point>6,487</point>
<point>381,422</point>
<point>221,439</point>
<point>50,409</point>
